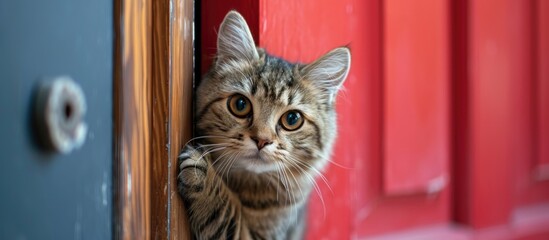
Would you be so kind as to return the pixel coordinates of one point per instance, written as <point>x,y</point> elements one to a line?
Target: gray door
<point>47,195</point>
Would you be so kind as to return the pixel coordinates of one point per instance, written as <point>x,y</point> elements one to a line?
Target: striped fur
<point>234,189</point>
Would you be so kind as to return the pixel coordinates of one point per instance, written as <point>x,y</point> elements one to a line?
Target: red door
<point>444,123</point>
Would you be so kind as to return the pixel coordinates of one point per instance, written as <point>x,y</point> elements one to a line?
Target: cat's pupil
<point>240,104</point>
<point>292,118</point>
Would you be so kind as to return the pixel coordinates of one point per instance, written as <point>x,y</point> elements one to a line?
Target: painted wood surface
<point>132,87</point>
<point>415,97</point>
<point>180,103</point>
<point>495,114</point>
<point>542,86</point>
<point>160,106</point>
<point>154,92</point>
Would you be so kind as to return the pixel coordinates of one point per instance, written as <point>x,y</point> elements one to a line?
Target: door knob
<point>60,109</point>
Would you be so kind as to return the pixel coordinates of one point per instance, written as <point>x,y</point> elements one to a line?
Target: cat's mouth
<point>258,162</point>
<point>257,156</point>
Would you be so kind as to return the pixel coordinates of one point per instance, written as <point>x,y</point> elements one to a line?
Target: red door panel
<point>490,148</point>
<point>532,157</point>
<point>416,99</point>
<point>496,169</point>
<point>414,121</point>
<point>542,57</point>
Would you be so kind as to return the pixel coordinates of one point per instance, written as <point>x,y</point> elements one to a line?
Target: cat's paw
<point>193,166</point>
<point>191,156</point>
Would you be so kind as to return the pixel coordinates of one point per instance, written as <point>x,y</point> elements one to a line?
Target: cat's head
<point>258,112</point>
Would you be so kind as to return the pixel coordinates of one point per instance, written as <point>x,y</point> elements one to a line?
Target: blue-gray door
<point>47,195</point>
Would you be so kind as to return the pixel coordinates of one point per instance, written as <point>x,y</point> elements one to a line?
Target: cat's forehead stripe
<point>274,81</point>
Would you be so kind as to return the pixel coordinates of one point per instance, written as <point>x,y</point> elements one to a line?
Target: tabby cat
<point>266,128</point>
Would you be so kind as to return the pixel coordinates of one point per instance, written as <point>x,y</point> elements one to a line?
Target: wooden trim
<point>172,109</point>
<point>172,91</point>
<point>181,87</point>
<point>132,119</point>
<point>153,106</point>
<point>160,118</point>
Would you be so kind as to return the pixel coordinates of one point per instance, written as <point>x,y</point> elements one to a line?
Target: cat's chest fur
<point>267,192</point>
<point>269,205</point>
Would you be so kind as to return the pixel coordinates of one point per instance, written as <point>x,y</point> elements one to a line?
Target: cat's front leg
<point>214,213</point>
<point>193,169</point>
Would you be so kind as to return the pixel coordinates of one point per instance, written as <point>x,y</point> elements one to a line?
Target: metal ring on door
<point>60,109</point>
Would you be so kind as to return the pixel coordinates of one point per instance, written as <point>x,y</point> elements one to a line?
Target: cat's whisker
<point>295,197</point>
<point>204,136</point>
<point>224,164</point>
<point>324,179</point>
<point>220,157</point>
<point>319,192</point>
<point>204,154</point>
<point>278,177</point>
<point>208,151</point>
<point>295,179</point>
<point>296,182</point>
<point>312,180</point>
<point>289,196</point>
<point>212,145</point>
<point>339,165</point>
<point>229,164</point>
<point>226,168</point>
<point>320,174</point>
<point>280,180</point>
<point>284,180</point>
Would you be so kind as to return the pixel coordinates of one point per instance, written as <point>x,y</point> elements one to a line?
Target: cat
<point>265,129</point>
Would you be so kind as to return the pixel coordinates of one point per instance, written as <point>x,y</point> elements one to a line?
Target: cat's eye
<point>291,120</point>
<point>239,106</point>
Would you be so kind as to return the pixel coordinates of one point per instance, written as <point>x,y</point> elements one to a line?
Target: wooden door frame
<point>153,82</point>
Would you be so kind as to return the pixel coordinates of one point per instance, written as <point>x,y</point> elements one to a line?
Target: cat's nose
<point>261,142</point>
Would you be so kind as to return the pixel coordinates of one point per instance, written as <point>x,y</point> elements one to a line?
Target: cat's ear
<point>234,40</point>
<point>329,71</point>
